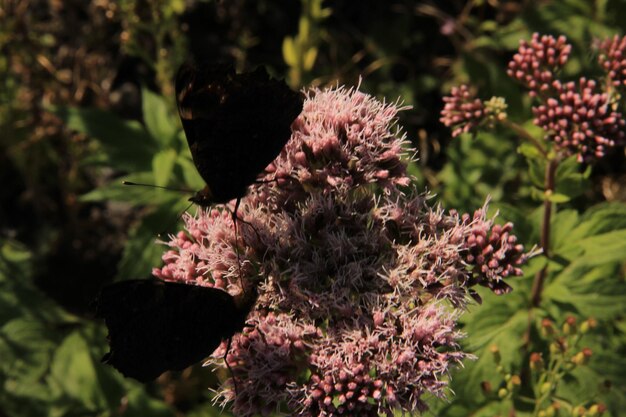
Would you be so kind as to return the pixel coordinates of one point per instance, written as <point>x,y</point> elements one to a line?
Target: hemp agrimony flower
<point>578,118</point>
<point>359,284</point>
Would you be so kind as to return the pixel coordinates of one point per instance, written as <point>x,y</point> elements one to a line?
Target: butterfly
<point>235,125</point>
<point>157,326</point>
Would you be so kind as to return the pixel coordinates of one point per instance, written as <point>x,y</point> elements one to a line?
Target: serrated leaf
<point>591,291</point>
<point>160,122</point>
<point>604,248</point>
<point>127,145</point>
<point>163,165</point>
<point>570,231</point>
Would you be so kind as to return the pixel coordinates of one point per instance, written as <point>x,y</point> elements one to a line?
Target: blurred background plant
<point>87,101</point>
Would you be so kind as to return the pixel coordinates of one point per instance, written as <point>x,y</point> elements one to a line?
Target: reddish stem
<point>545,231</point>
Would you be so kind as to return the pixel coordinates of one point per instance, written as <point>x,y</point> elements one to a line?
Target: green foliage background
<point>87,101</point>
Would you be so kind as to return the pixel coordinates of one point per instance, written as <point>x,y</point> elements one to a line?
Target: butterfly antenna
<point>181,190</point>
<point>171,225</point>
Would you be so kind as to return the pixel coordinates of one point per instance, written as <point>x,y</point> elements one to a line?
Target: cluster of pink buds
<point>359,284</point>
<point>537,61</point>
<point>578,118</point>
<point>612,58</point>
<point>463,111</point>
<point>493,251</point>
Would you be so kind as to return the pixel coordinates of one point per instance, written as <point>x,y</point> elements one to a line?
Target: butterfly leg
<point>232,374</point>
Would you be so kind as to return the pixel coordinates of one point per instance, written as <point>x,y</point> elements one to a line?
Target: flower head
<point>580,120</point>
<point>355,279</point>
<point>612,59</point>
<point>463,111</point>
<point>536,62</point>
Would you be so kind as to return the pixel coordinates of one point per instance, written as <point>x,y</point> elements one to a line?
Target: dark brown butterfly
<point>156,326</point>
<point>236,124</point>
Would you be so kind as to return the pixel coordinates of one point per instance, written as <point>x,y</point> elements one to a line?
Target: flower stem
<point>545,231</point>
<point>523,133</point>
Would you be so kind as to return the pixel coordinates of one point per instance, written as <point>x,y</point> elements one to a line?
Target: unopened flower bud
<point>552,410</point>
<point>536,362</point>
<point>582,357</point>
<point>486,387</point>
<point>545,388</point>
<point>596,410</point>
<point>514,382</point>
<point>495,351</point>
<point>503,392</point>
<point>569,327</point>
<point>588,325</point>
<point>547,327</point>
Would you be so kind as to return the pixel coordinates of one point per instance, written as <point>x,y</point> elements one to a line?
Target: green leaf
<point>561,226</point>
<point>568,180</point>
<point>529,151</point>
<point>74,370</point>
<point>537,169</point>
<point>142,252</point>
<point>558,198</point>
<point>160,122</point>
<point>141,405</point>
<point>571,231</point>
<point>163,165</point>
<point>591,291</point>
<point>127,145</point>
<point>26,346</point>
<point>189,173</point>
<point>500,321</point>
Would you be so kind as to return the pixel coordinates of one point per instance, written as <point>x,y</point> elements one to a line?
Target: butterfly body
<point>155,326</point>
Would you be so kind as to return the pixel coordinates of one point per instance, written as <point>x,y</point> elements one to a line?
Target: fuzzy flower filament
<point>359,285</point>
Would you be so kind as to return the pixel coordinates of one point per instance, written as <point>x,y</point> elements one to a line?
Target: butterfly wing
<point>155,326</point>
<point>236,124</point>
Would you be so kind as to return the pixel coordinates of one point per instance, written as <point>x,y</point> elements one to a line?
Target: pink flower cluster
<point>537,61</point>
<point>463,111</point>
<point>355,279</point>
<point>493,251</point>
<point>580,120</point>
<point>612,59</point>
